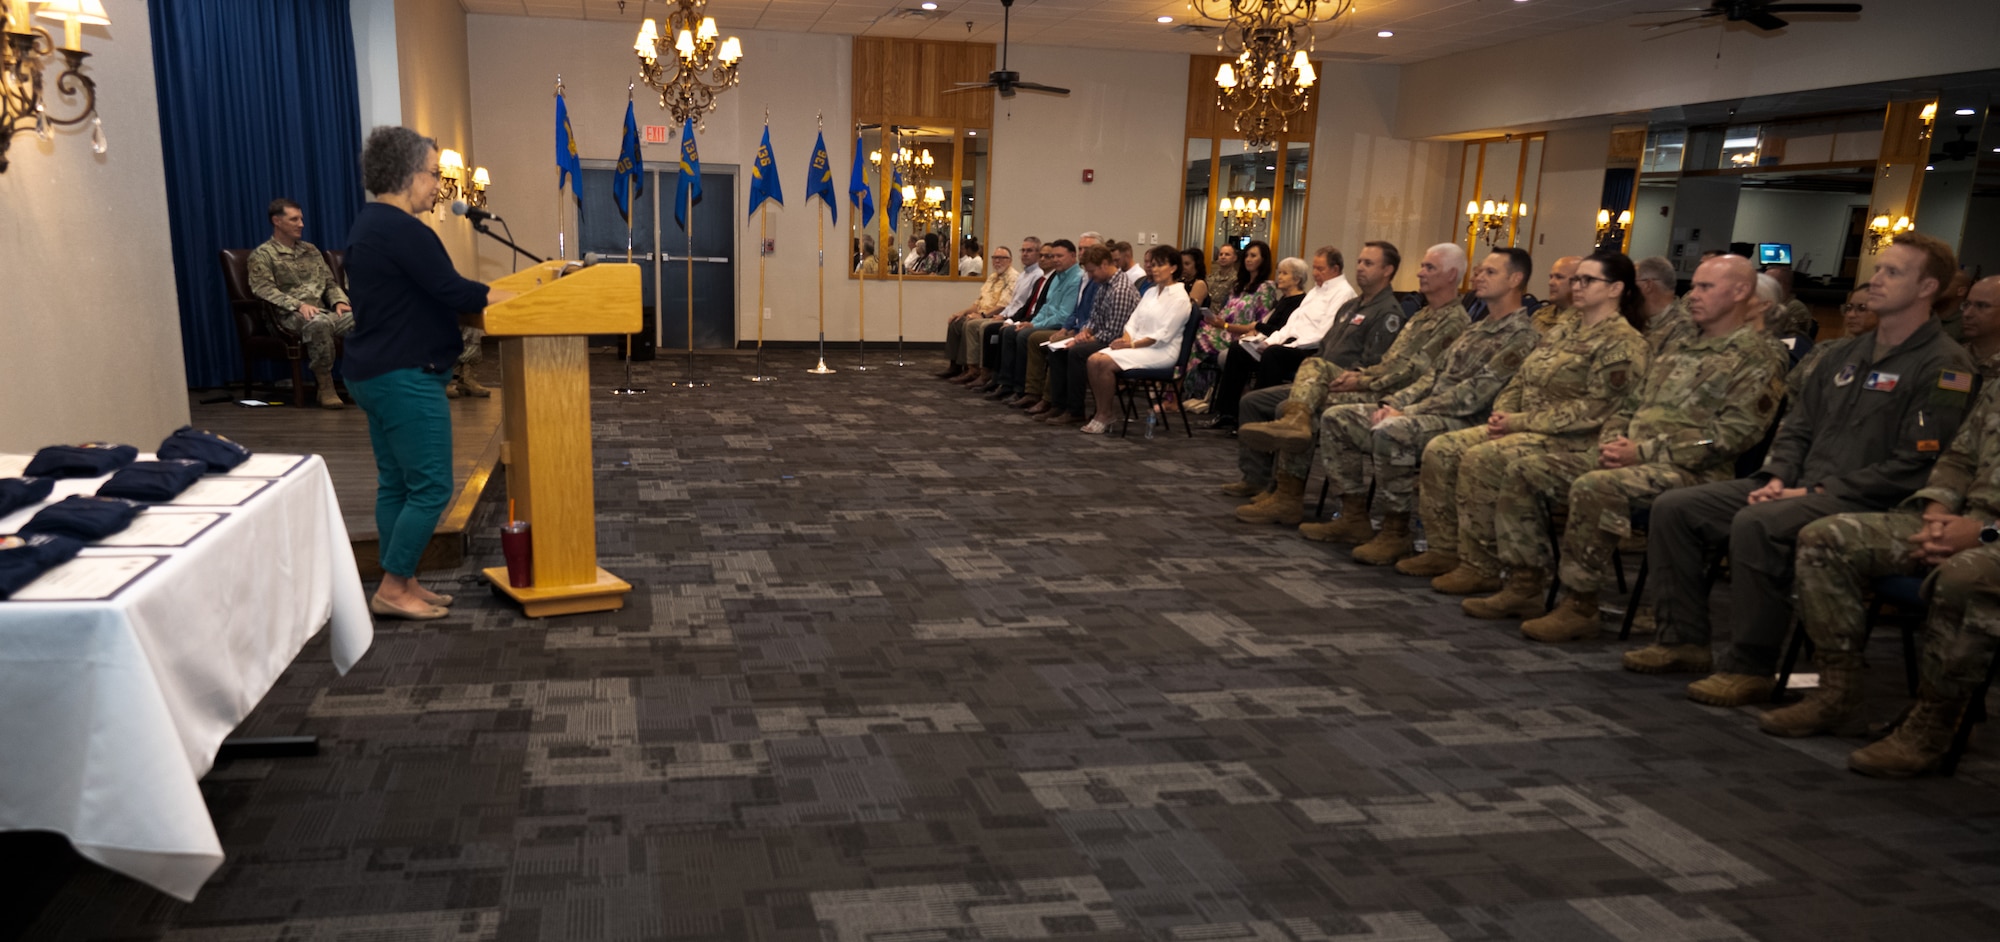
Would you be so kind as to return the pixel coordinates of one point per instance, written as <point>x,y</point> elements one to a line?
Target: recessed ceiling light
<point>1930,168</point>
<point>1166,19</point>
<point>1963,111</point>
<point>930,6</point>
<point>1269,167</point>
<point>972,134</point>
<point>1384,33</point>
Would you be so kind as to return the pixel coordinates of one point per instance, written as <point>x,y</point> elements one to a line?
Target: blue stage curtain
<point>257,101</point>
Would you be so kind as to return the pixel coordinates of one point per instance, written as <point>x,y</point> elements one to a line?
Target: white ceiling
<point>1425,29</point>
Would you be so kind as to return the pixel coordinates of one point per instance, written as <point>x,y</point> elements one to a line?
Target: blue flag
<point>629,180</point>
<point>895,208</point>
<point>858,192</point>
<point>569,167</point>
<point>764,176</point>
<point>687,190</point>
<point>819,180</point>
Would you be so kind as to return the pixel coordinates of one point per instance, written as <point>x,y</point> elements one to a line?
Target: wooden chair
<point>259,335</point>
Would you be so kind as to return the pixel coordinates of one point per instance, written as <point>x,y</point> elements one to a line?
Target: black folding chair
<point>1158,383</point>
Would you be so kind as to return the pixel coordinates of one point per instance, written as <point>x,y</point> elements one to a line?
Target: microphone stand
<point>480,227</point>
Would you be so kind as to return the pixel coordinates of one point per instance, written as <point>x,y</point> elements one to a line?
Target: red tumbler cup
<point>519,549</point>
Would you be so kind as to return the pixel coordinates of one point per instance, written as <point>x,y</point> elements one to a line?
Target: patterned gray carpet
<point>901,665</point>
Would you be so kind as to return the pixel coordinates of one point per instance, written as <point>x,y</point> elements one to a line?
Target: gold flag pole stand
<point>628,389</point>
<point>820,224</point>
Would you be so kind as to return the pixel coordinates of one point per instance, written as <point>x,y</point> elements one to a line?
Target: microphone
<point>469,211</point>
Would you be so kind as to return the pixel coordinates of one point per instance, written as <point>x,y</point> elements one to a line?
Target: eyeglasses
<point>1853,308</point>
<point>1587,279</point>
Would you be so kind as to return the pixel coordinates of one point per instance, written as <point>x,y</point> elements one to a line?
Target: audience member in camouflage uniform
<point>1561,302</point>
<point>292,275</point>
<point>1790,317</point>
<point>1421,343</point>
<point>1840,556</point>
<point>1869,424</point>
<point>1571,383</point>
<point>1857,320</point>
<point>1979,324</point>
<point>1362,333</point>
<point>1668,325</point>
<point>1454,394</point>
<point>1701,405</point>
<point>1947,307</point>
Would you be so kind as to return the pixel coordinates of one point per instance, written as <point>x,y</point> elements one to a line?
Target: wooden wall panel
<point>904,80</point>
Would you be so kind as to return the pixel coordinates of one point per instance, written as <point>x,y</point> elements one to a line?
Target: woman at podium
<point>407,302</point>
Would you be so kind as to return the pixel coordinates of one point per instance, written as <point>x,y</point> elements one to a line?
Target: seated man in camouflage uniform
<point>1565,389</point>
<point>1870,422</point>
<point>1562,297</point>
<point>1452,395</point>
<point>1979,324</point>
<point>1700,405</point>
<point>1362,334</point>
<point>1667,323</point>
<point>291,274</point>
<point>1840,556</point>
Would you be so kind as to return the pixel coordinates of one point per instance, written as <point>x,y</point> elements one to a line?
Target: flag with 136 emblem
<point>819,180</point>
<point>764,176</point>
<point>630,178</point>
<point>687,190</point>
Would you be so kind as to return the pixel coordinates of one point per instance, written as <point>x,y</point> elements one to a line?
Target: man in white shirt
<point>1121,252</point>
<point>979,369</point>
<point>1290,345</point>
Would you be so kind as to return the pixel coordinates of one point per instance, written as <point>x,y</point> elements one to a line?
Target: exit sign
<point>656,134</point>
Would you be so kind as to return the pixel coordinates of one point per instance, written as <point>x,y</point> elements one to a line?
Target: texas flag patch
<point>1955,381</point>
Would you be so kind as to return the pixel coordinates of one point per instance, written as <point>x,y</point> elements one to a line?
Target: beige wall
<point>1573,162</point>
<point>437,96</point>
<point>1123,119</point>
<point>92,346</point>
<point>1613,67</point>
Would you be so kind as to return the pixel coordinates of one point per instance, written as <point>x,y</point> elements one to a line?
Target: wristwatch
<point>1990,533</point>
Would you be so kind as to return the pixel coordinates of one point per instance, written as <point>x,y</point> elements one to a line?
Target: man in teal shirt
<point>1057,303</point>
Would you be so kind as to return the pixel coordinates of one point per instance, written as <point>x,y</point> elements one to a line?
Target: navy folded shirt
<point>219,453</point>
<point>23,559</point>
<point>153,480</point>
<point>16,493</point>
<point>88,460</point>
<point>83,517</point>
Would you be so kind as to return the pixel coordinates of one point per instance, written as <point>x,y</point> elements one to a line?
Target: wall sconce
<point>480,181</point>
<point>1606,227</point>
<point>1240,215</point>
<point>451,176</point>
<point>1880,231</point>
<point>25,52</point>
<point>1486,221</point>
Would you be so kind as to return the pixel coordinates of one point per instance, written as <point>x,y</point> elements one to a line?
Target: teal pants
<point>409,424</point>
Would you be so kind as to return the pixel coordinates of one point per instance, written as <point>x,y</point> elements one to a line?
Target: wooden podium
<point>546,398</point>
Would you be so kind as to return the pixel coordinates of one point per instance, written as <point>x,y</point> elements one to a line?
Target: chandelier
<point>25,53</point>
<point>1240,215</point>
<point>1269,76</point>
<point>700,67</point>
<point>923,203</point>
<point>1488,220</point>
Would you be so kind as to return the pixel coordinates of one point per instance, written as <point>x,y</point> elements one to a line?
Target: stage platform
<point>341,437</point>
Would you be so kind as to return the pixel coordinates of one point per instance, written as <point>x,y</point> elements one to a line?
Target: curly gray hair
<point>1301,272</point>
<point>391,157</point>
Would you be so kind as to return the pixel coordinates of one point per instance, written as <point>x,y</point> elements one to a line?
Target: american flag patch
<point>1956,382</point>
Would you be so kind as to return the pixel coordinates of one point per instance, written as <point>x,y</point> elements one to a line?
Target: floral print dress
<point>1250,307</point>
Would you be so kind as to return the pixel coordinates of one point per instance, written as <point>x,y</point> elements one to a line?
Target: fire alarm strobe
<point>1089,175</point>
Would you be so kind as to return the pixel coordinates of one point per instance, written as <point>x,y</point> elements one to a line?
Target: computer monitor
<point>1774,253</point>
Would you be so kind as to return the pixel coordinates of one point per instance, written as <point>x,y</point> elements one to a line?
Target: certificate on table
<point>154,529</point>
<point>265,466</point>
<point>220,492</point>
<point>87,578</point>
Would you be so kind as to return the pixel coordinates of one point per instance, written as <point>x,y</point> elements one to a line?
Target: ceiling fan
<point>1758,13</point>
<point>1003,81</point>
<point>1956,150</point>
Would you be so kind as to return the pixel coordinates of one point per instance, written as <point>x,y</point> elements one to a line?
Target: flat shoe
<point>428,612</point>
<point>1094,427</point>
<point>442,600</point>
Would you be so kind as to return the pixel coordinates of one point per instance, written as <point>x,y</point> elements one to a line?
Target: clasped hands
<point>1943,535</point>
<point>308,311</point>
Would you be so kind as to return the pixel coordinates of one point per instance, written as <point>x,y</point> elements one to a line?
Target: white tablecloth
<point>111,711</point>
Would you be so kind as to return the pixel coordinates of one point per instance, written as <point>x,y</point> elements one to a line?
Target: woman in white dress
<point>1152,335</point>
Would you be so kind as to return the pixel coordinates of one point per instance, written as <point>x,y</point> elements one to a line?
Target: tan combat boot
<point>1670,659</point>
<point>1520,598</point>
<point>1390,544</point>
<point>1467,579</point>
<point>1826,707</point>
<point>1352,527</point>
<point>469,386</point>
<point>1240,489</point>
<point>329,397</point>
<point>1725,689</point>
<point>1574,620</point>
<point>1429,563</point>
<point>1917,745</point>
<point>1286,507</point>
<point>1292,430</point>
